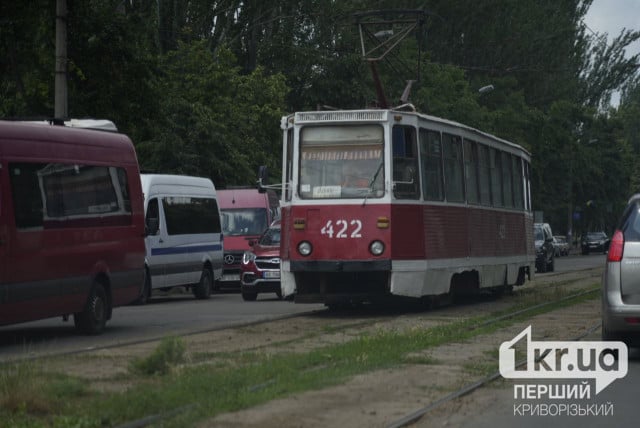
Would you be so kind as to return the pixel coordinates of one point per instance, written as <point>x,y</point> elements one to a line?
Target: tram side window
<point>506,180</point>
<point>405,163</point>
<point>471,170</point>
<point>496,177</point>
<point>484,173</point>
<point>453,173</point>
<point>431,160</point>
<point>527,186</point>
<point>517,182</point>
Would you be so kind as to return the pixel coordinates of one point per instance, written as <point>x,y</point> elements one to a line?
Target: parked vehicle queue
<point>74,238</point>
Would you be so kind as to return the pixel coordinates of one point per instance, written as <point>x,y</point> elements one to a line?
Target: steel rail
<point>467,389</point>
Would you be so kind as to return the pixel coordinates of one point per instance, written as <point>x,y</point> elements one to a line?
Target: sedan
<point>621,279</point>
<point>595,241</point>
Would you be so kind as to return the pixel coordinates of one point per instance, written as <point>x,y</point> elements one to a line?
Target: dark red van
<point>71,224</point>
<point>245,214</point>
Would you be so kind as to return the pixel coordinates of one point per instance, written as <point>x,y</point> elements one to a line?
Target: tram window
<point>471,170</point>
<point>527,186</point>
<point>431,160</point>
<point>517,182</point>
<point>484,170</point>
<point>288,170</point>
<point>341,162</point>
<point>506,180</point>
<point>496,177</point>
<point>405,163</point>
<point>453,174</point>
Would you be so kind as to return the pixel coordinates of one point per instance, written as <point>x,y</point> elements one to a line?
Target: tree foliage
<point>201,85</point>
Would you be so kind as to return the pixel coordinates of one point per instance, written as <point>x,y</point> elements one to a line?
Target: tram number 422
<point>342,229</point>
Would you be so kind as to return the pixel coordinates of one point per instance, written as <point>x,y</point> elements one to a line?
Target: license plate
<point>231,277</point>
<point>272,274</point>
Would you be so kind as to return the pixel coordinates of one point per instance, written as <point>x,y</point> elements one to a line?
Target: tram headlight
<point>305,248</point>
<point>376,248</point>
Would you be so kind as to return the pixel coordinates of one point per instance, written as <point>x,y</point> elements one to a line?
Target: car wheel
<point>93,318</point>
<point>249,297</point>
<point>543,266</point>
<point>202,290</point>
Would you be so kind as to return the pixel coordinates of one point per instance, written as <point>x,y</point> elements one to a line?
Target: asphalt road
<point>162,316</point>
<point>174,315</point>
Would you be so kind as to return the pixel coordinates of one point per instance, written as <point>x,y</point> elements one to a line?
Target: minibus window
<point>152,220</point>
<point>55,195</point>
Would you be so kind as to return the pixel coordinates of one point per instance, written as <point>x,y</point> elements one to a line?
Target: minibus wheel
<point>93,318</point>
<point>202,290</point>
<point>146,290</point>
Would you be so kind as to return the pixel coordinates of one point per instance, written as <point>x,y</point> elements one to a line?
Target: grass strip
<point>31,397</point>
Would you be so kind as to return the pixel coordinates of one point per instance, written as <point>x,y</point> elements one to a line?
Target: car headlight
<point>376,248</point>
<point>248,257</point>
<point>305,248</point>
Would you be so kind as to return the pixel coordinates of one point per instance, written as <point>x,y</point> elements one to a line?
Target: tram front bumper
<point>340,266</point>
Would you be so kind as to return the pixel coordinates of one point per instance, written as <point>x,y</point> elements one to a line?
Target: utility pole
<point>61,106</point>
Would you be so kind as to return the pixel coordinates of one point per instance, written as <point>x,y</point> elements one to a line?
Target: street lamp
<point>486,89</point>
<point>570,192</point>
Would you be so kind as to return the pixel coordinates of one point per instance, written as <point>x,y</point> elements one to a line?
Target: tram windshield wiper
<point>372,182</point>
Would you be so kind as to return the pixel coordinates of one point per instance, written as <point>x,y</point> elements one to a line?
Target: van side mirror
<point>263,179</point>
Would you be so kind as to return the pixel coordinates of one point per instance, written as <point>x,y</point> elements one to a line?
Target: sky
<point>611,16</point>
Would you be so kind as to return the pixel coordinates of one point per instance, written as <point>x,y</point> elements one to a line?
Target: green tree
<point>216,122</point>
<point>27,58</point>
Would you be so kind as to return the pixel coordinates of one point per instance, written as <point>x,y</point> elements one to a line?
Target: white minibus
<point>184,243</point>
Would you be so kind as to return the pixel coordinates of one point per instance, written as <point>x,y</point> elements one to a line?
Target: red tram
<point>380,203</point>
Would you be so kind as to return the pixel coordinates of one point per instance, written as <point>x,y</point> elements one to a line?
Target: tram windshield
<point>341,162</point>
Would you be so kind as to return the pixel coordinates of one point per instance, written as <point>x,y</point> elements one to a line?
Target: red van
<point>245,214</point>
<point>71,224</point>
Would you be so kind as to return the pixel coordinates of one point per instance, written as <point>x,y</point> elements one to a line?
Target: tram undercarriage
<point>335,288</point>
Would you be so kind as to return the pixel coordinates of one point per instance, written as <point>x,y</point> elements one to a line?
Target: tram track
<point>315,330</point>
<point>156,338</point>
<point>414,416</point>
<point>469,388</point>
<point>344,320</point>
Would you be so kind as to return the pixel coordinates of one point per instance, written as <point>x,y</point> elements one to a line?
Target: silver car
<point>621,279</point>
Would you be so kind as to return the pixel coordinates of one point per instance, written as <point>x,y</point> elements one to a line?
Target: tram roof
<point>377,115</point>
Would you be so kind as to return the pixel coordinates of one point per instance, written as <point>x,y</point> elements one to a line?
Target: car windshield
<point>538,235</point>
<point>244,221</point>
<point>596,235</point>
<point>271,236</point>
